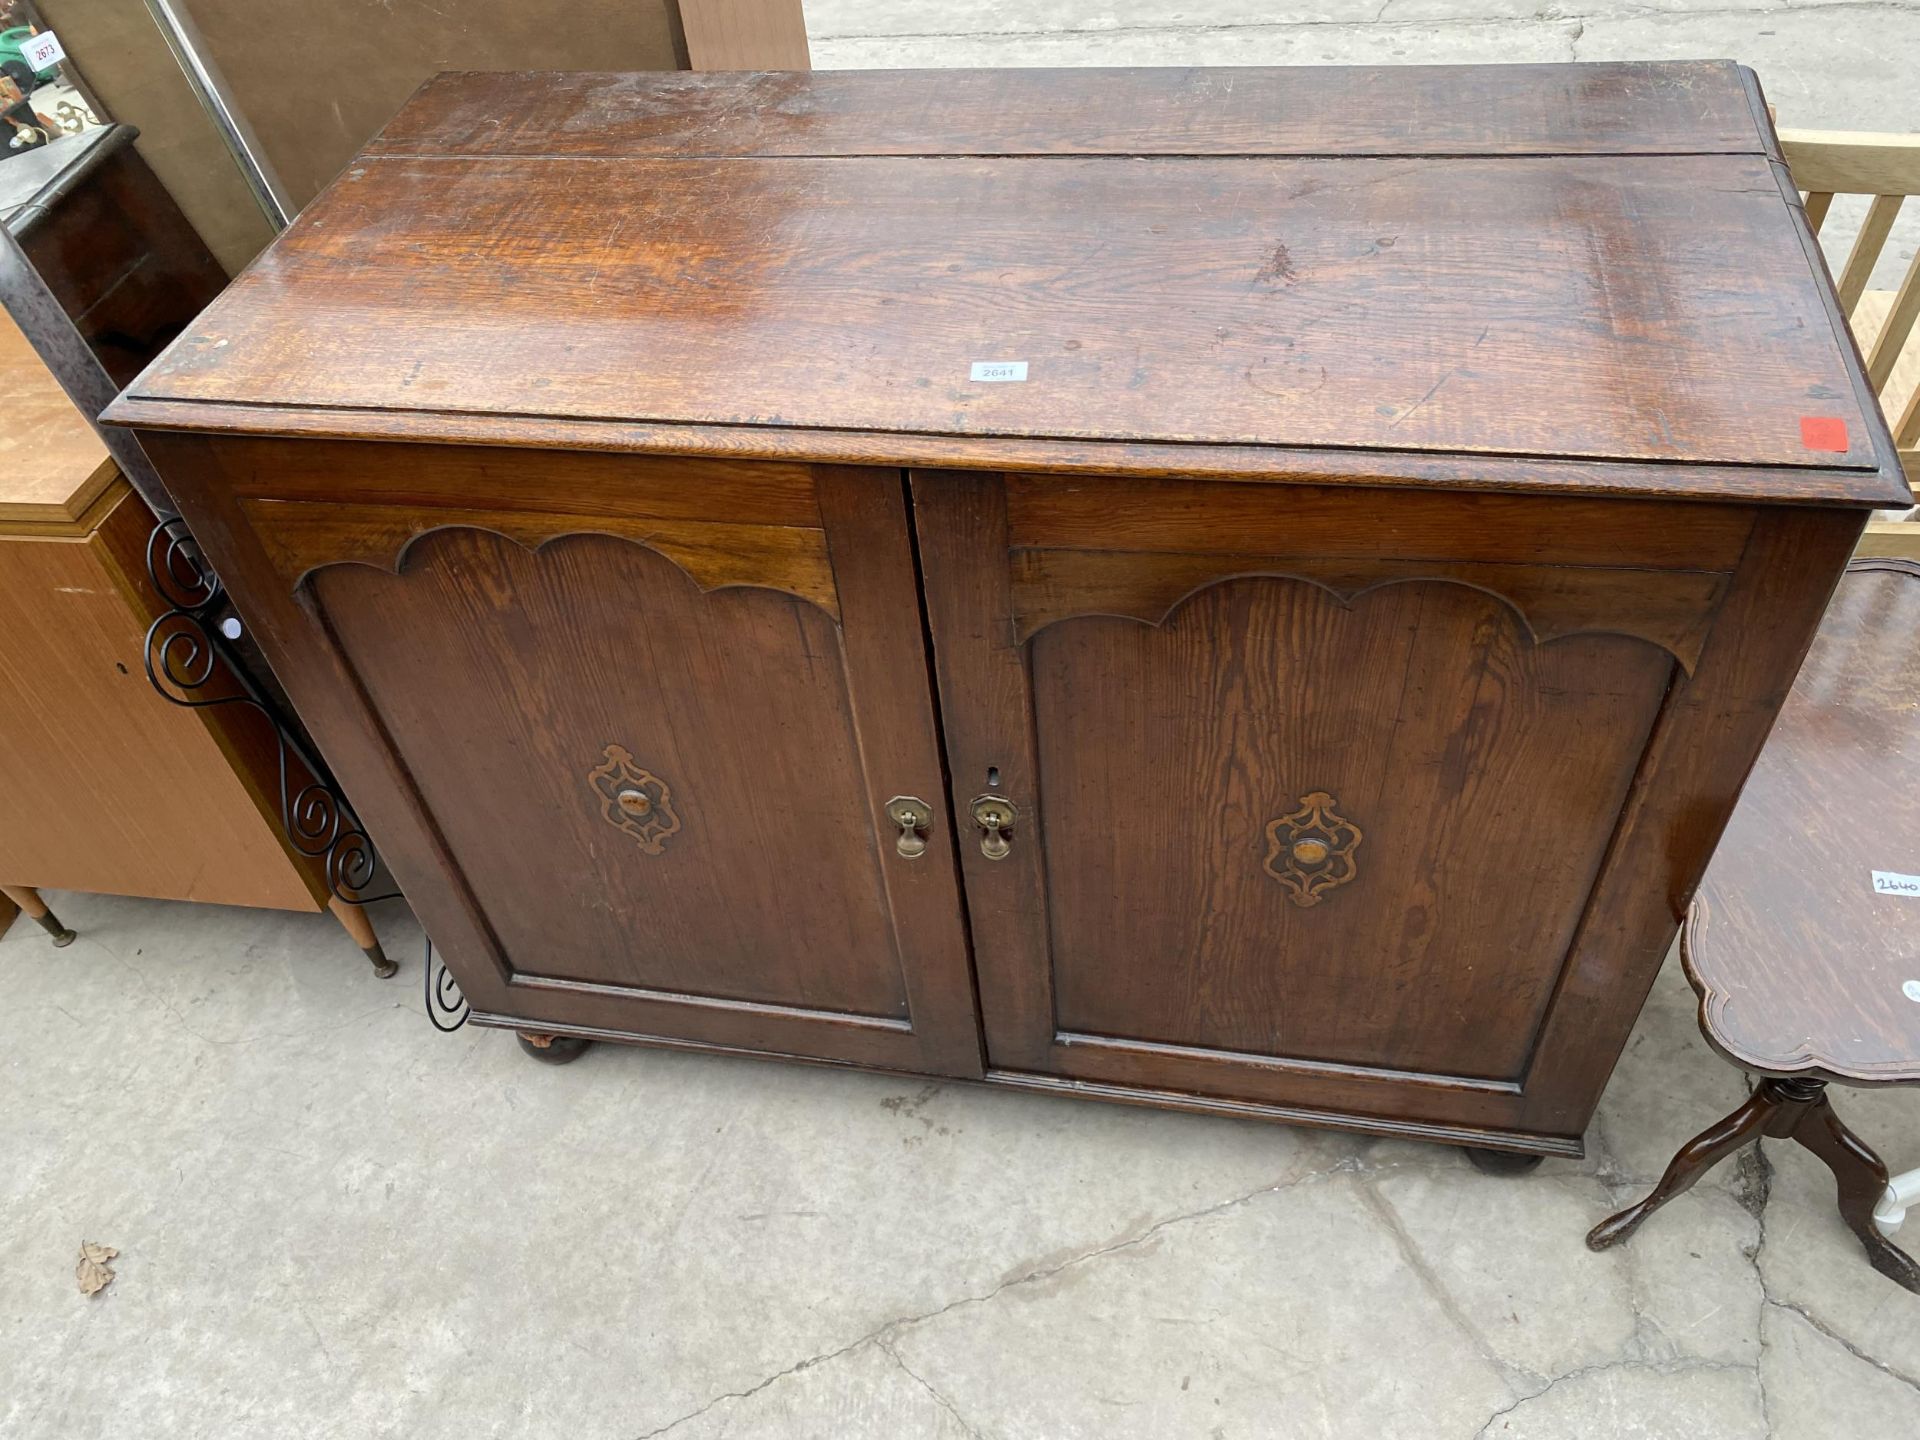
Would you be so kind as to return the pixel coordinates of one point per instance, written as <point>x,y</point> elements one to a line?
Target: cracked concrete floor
<point>333,1221</point>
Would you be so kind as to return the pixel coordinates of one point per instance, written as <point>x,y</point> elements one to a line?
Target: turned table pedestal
<point>1802,941</point>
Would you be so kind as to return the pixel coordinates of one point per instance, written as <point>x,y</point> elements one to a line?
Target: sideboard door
<point>1295,794</point>
<point>629,731</point>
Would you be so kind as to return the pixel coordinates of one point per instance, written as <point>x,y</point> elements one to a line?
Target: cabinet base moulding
<point>1567,1146</point>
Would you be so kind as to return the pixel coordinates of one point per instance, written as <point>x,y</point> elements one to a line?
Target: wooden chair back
<point>1886,169</point>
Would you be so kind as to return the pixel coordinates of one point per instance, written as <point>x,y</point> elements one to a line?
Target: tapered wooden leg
<point>354,920</point>
<point>28,899</point>
<point>1861,1178</point>
<point>1693,1160</point>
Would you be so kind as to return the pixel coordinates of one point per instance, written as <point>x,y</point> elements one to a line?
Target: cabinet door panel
<point>1288,828</point>
<point>1472,777</point>
<point>645,759</point>
<point>530,690</point>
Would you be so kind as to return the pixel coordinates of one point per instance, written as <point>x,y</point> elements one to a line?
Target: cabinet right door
<point>1297,795</point>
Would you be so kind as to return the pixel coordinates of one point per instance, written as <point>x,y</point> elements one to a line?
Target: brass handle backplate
<point>1311,851</point>
<point>994,815</point>
<point>634,800</point>
<point>914,816</point>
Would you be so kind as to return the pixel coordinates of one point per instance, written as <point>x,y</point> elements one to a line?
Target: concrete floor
<point>335,1222</point>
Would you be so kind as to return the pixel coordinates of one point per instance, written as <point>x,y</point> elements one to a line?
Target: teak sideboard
<point>1248,590</point>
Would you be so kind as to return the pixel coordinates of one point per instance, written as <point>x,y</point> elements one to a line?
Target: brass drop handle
<point>914,817</point>
<point>994,815</point>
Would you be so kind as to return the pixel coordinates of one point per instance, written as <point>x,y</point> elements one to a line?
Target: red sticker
<point>1824,432</point>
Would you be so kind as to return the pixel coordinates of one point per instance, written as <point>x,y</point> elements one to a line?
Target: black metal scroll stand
<point>187,652</point>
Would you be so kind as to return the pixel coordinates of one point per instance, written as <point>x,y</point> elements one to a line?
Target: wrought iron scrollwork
<point>189,661</point>
<point>447,1008</point>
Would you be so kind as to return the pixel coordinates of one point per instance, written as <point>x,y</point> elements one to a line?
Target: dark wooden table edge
<point>1865,488</point>
<point>1814,1067</point>
<point>1761,142</point>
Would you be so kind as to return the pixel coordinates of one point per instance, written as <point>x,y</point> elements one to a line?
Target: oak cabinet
<point>1237,599</point>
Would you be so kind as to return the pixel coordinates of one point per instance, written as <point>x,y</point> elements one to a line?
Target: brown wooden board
<point>1503,779</point>
<point>517,672</point>
<point>107,786</point>
<point>53,466</point>
<point>1601,108</point>
<point>1522,306</point>
<point>1516,266</point>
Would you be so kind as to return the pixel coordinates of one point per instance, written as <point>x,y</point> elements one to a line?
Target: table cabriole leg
<point>1861,1179</point>
<point>1692,1160</point>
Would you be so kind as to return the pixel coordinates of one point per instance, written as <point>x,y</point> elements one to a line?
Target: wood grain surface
<point>1802,961</point>
<point>52,464</point>
<point>1484,767</point>
<point>775,853</point>
<point>776,911</point>
<point>1437,466</point>
<point>1483,770</point>
<point>1525,306</point>
<point>1141,516</point>
<point>1696,106</point>
<point>579,482</point>
<point>1669,608</point>
<point>1639,759</point>
<point>304,534</point>
<point>1700,753</point>
<point>108,787</point>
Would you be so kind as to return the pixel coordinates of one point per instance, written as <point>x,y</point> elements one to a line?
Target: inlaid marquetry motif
<point>1312,850</point>
<point>634,800</point>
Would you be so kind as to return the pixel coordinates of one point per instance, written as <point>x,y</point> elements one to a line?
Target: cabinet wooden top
<point>1490,276</point>
<point>53,468</point>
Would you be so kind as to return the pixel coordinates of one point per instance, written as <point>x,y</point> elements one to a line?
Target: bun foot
<point>552,1049</point>
<point>1502,1162</point>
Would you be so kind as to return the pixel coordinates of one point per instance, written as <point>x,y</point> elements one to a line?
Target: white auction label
<point>42,51</point>
<point>1911,990</point>
<point>1002,370</point>
<point>1887,882</point>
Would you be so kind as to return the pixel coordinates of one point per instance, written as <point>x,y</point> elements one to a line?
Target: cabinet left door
<point>628,730</point>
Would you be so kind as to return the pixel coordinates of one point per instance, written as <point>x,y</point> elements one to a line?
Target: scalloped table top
<point>1804,942</point>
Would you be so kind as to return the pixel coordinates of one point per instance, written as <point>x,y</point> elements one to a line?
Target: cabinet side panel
<point>106,785</point>
<point>1697,760</point>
